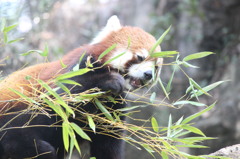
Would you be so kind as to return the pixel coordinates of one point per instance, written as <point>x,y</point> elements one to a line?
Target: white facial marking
<point>137,70</point>
<point>143,53</point>
<point>113,24</point>
<point>120,62</point>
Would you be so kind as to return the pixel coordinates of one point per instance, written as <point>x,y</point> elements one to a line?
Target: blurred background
<point>206,25</point>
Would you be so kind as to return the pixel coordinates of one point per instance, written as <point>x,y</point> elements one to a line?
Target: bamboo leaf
<point>193,129</point>
<point>71,82</point>
<point>45,51</point>
<point>56,108</point>
<point>30,52</point>
<point>186,64</point>
<point>164,155</point>
<point>79,131</point>
<point>59,99</point>
<point>169,126</point>
<point>9,28</point>
<point>103,109</point>
<point>114,58</point>
<point>108,50</point>
<point>190,118</point>
<point>24,96</point>
<point>209,87</point>
<point>5,37</point>
<point>197,56</point>
<point>63,87</point>
<point>65,130</point>
<point>197,86</point>
<point>3,24</point>
<point>153,97</point>
<point>73,74</point>
<point>168,88</point>
<point>183,102</point>
<point>192,146</point>
<point>155,126</point>
<point>164,54</point>
<point>149,149</point>
<point>163,88</point>
<point>15,40</point>
<point>91,123</point>
<point>159,41</point>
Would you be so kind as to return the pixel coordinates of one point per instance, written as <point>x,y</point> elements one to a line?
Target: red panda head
<point>135,64</point>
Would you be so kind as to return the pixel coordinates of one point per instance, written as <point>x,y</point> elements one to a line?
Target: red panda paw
<point>115,83</point>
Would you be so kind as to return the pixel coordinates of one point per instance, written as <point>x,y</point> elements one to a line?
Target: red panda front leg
<point>114,83</point>
<point>106,147</point>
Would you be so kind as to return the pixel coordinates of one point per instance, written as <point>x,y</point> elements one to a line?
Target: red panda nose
<point>148,75</point>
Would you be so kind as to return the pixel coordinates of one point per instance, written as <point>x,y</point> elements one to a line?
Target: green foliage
<point>43,53</point>
<point>4,38</point>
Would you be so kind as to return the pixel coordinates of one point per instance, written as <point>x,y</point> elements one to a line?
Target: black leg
<point>37,149</point>
<point>106,147</point>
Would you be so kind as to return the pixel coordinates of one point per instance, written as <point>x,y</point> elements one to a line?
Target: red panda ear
<point>113,24</point>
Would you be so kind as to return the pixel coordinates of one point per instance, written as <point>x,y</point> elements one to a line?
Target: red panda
<point>130,71</point>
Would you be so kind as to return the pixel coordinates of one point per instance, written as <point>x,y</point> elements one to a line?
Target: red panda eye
<point>140,58</point>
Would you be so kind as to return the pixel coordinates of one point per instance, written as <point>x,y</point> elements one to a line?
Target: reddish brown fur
<point>139,39</point>
<point>44,71</point>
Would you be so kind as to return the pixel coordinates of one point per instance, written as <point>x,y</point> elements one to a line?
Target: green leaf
<point>209,87</point>
<point>79,131</point>
<point>163,88</point>
<point>164,155</point>
<point>63,87</point>
<point>65,130</point>
<point>164,54</point>
<point>73,74</point>
<point>59,99</point>
<point>128,108</point>
<point>189,102</point>
<point>186,64</point>
<point>149,149</point>
<point>197,86</point>
<point>193,129</point>
<point>45,51</point>
<point>155,126</point>
<point>179,121</point>
<point>24,96</point>
<point>3,24</point>
<point>168,88</point>
<point>192,146</point>
<point>56,108</point>
<point>197,56</point>
<point>169,126</point>
<point>66,81</point>
<point>71,147</point>
<point>5,38</point>
<point>190,118</point>
<point>114,58</point>
<point>153,97</point>
<point>108,50</point>
<point>103,109</point>
<point>159,41</point>
<point>81,58</point>
<point>91,123</point>
<point>9,28</point>
<point>15,40</point>
<point>30,52</point>
<point>62,64</point>
<point>93,158</point>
